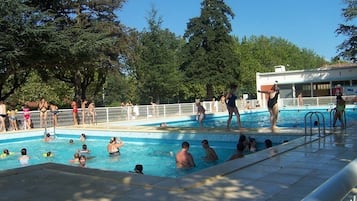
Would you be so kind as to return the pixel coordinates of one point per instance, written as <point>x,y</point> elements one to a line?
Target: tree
<point>85,44</point>
<point>157,72</point>
<point>209,57</point>
<point>348,48</point>
<point>20,35</point>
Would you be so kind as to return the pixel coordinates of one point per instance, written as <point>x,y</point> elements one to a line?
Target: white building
<point>324,81</point>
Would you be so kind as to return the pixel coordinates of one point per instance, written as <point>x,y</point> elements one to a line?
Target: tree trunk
<point>209,91</point>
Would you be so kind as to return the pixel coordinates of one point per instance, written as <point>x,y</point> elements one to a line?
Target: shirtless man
<point>184,159</point>
<point>273,104</point>
<point>210,152</point>
<point>84,110</point>
<point>91,112</point>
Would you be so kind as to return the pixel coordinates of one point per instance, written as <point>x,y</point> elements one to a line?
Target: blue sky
<point>308,24</point>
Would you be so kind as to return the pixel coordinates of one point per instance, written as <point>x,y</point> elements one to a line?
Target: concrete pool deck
<point>287,172</point>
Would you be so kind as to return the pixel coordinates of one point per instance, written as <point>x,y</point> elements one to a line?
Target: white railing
<point>144,112</point>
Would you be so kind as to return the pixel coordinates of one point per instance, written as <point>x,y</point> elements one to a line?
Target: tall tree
<point>157,70</point>
<point>348,49</point>
<point>210,59</point>
<point>20,35</point>
<point>86,43</point>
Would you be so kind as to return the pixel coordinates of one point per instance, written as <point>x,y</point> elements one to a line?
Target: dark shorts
<point>114,153</point>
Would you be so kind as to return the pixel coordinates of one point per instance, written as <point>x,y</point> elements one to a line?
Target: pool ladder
<point>319,119</point>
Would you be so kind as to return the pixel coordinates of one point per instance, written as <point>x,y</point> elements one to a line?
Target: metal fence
<point>144,112</point>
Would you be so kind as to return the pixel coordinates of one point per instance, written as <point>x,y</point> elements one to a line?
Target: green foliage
<point>348,49</point>
<point>261,54</point>
<point>65,49</point>
<point>209,58</point>
<point>157,72</point>
<point>56,92</point>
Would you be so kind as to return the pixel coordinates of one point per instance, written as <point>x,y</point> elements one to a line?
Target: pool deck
<point>287,172</point>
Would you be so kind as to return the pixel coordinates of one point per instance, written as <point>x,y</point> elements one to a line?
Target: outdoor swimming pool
<point>155,151</point>
<point>288,117</point>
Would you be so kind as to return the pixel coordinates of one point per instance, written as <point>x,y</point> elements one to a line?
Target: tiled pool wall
<point>135,136</point>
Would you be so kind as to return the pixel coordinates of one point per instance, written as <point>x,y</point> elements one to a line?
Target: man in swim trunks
<point>273,104</point>
<point>184,159</point>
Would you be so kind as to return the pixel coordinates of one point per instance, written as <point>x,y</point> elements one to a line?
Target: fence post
<point>107,113</point>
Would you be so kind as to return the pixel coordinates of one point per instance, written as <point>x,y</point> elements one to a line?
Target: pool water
<point>258,119</point>
<point>158,158</point>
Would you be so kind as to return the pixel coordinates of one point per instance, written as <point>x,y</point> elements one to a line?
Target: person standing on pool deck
<point>340,109</point>
<point>42,107</point>
<point>200,116</point>
<point>184,158</point>
<point>74,112</point>
<point>232,107</point>
<point>84,110</point>
<point>273,104</point>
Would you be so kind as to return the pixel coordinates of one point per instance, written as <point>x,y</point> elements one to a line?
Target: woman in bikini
<point>42,106</point>
<point>273,108</point>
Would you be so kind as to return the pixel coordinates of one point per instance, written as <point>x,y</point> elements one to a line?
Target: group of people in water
<point>184,158</point>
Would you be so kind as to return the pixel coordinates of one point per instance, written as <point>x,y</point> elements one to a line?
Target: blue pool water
<point>290,118</point>
<point>156,155</point>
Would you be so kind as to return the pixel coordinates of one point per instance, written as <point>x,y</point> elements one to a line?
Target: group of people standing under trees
<point>87,112</point>
<point>10,121</point>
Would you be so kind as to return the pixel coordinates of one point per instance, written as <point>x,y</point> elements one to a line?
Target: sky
<point>309,24</point>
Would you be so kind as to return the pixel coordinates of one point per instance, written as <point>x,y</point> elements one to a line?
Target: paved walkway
<point>287,172</point>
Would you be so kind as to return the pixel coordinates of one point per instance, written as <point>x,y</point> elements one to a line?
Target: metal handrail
<point>316,123</point>
<point>337,187</point>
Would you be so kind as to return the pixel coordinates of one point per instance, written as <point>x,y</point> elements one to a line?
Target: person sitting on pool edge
<point>184,159</point>
<point>210,152</point>
<point>113,147</point>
